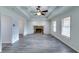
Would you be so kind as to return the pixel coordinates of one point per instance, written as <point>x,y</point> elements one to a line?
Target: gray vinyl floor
<point>38,43</point>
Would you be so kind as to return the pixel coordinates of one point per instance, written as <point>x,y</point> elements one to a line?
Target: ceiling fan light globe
<point>38,13</point>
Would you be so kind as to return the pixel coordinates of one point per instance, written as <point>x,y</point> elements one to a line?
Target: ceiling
<point>30,11</point>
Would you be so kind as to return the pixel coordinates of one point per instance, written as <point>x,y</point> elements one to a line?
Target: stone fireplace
<point>38,29</point>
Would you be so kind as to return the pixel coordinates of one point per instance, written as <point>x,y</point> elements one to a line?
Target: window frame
<point>62,25</point>
<point>54,26</point>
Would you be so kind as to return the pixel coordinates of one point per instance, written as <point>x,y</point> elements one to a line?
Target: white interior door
<point>6,29</point>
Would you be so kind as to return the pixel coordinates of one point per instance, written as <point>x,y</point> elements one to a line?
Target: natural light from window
<point>66,27</point>
<point>54,26</point>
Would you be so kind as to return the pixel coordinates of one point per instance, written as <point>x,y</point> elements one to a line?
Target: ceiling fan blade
<point>42,13</point>
<point>45,11</point>
<point>38,8</point>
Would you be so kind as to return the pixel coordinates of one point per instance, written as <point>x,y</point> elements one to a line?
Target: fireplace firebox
<point>38,29</point>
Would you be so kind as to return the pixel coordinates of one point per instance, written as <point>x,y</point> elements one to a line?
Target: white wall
<point>14,18</point>
<point>21,25</point>
<point>39,22</point>
<point>73,42</point>
<point>0,35</point>
<point>25,27</point>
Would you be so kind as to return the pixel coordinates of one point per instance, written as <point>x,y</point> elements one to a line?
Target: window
<point>54,26</point>
<point>66,27</point>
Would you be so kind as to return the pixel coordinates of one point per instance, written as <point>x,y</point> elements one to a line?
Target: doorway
<point>6,31</point>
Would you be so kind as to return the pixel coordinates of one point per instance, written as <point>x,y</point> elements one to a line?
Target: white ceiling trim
<point>26,14</point>
<point>59,11</point>
<point>51,11</point>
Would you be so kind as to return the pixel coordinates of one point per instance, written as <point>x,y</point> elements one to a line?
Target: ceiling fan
<point>40,12</point>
